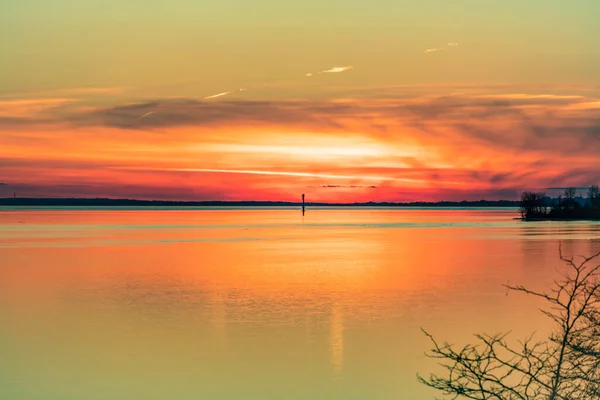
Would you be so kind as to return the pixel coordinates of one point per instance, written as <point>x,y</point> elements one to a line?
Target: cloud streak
<point>284,173</point>
<point>188,112</point>
<point>438,49</point>
<point>22,108</point>
<point>516,117</point>
<point>223,94</point>
<point>346,186</point>
<point>334,70</point>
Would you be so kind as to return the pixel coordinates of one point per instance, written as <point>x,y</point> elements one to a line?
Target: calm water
<point>258,304</point>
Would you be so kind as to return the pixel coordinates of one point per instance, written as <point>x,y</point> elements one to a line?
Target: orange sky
<point>380,144</point>
<point>264,100</point>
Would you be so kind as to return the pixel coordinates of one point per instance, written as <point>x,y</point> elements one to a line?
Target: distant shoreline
<point>105,202</point>
<point>540,219</point>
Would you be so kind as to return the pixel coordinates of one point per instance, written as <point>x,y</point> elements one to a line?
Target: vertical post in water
<point>302,203</point>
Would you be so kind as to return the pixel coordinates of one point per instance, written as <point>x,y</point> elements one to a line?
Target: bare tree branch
<point>566,366</point>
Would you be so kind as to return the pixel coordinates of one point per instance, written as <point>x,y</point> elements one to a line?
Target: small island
<point>539,207</point>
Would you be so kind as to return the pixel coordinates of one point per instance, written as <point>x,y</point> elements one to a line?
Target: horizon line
<point>285,202</point>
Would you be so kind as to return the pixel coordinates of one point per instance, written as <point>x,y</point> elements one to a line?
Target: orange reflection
<point>264,295</point>
<point>337,339</point>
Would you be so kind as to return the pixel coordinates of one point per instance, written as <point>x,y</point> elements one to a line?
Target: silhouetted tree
<point>531,205</point>
<point>594,197</point>
<point>565,367</point>
<point>569,202</point>
<point>558,207</point>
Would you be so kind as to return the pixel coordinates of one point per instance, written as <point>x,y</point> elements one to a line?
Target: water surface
<point>259,303</point>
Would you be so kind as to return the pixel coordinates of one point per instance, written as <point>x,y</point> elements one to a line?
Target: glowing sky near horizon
<point>265,100</point>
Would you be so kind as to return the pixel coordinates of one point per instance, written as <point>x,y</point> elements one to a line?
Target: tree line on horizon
<point>537,205</point>
<point>25,201</point>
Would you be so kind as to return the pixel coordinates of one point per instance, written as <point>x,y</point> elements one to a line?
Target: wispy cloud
<point>337,69</point>
<point>217,95</point>
<point>146,114</point>
<point>85,92</point>
<point>529,96</point>
<point>346,186</point>
<point>278,173</point>
<point>172,105</point>
<point>189,112</point>
<point>2,184</point>
<point>463,110</point>
<point>95,90</point>
<point>437,49</point>
<point>31,107</point>
<point>333,70</point>
<point>588,105</point>
<point>223,94</point>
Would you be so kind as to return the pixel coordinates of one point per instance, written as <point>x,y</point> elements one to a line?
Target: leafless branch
<point>566,366</point>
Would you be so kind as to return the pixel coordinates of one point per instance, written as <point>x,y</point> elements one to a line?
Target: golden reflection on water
<point>218,314</point>
<point>337,339</point>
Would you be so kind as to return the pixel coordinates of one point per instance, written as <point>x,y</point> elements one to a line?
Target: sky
<point>345,101</point>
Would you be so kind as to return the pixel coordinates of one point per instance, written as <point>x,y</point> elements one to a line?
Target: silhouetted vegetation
<point>566,366</point>
<point>565,206</point>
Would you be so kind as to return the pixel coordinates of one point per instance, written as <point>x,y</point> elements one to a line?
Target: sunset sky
<point>265,100</point>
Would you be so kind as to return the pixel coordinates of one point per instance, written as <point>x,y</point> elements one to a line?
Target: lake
<point>260,303</point>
